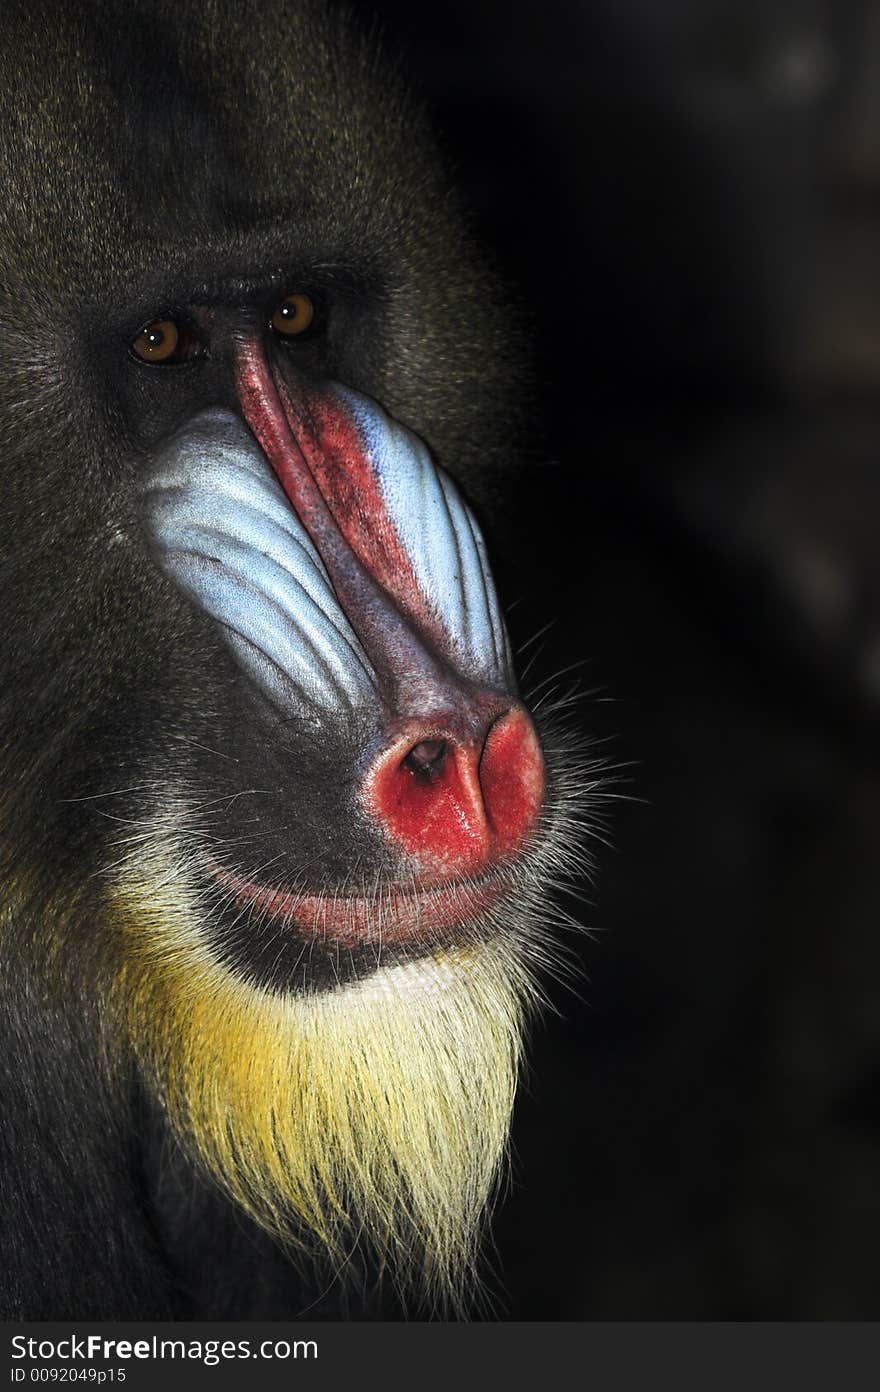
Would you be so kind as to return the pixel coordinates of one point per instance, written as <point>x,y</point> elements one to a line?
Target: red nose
<point>458,803</point>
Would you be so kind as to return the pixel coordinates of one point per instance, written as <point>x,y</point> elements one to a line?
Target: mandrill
<point>277,832</point>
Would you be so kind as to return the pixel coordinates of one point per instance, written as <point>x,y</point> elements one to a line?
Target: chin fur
<point>370,1116</point>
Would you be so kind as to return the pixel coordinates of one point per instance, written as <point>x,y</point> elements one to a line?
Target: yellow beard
<point>377,1111</point>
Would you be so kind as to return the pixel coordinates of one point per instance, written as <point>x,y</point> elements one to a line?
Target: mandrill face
<point>346,961</point>
<point>269,774</point>
<point>349,581</point>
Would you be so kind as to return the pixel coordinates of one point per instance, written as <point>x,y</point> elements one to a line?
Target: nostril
<point>427,758</point>
<point>462,801</point>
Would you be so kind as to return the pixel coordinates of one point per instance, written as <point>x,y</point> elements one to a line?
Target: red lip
<point>394,916</point>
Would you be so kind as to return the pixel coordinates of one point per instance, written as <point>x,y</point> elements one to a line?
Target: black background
<point>685,197</point>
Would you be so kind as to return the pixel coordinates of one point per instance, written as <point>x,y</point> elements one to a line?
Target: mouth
<point>391,916</point>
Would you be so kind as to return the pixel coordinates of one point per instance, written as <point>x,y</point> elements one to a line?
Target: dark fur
<point>154,153</point>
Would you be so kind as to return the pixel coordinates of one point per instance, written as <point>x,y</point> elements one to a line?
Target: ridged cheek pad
<point>223,529</point>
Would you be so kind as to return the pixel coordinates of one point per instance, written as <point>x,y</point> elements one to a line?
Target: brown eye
<point>157,342</point>
<point>293,316</point>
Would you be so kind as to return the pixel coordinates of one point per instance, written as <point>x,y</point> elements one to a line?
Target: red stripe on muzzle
<point>459,781</point>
